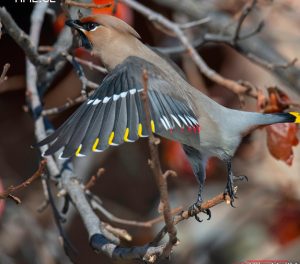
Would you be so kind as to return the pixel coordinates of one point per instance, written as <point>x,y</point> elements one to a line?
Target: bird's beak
<point>76,24</point>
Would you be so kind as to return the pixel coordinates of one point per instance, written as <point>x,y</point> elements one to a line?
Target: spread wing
<point>115,114</point>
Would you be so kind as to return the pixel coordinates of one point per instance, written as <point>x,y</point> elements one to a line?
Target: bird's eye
<point>90,26</point>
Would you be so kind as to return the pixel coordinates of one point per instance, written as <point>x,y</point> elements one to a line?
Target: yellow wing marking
<point>152,126</point>
<point>77,153</point>
<point>111,137</point>
<point>95,145</point>
<point>126,134</point>
<point>140,129</point>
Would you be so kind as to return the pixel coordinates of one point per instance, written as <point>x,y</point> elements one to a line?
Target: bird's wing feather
<point>115,113</point>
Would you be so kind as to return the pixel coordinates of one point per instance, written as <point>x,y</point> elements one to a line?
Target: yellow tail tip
<point>297,115</point>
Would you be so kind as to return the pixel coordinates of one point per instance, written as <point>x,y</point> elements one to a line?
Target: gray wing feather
<point>115,113</point>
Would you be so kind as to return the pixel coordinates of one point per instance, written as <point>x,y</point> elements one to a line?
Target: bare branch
<point>262,48</point>
<point>204,68</point>
<point>12,189</point>
<point>31,82</point>
<point>70,102</point>
<point>90,64</point>
<point>21,38</point>
<point>186,214</point>
<point>3,76</point>
<point>118,232</point>
<point>195,23</point>
<point>157,171</point>
<point>96,205</point>
<point>245,12</point>
<point>93,179</point>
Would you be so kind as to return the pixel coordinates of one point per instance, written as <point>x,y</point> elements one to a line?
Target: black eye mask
<point>88,26</point>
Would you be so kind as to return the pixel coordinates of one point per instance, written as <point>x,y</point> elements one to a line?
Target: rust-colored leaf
<point>280,137</point>
<point>280,140</point>
<point>278,101</point>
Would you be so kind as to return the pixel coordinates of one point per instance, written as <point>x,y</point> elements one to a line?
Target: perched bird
<point>114,113</point>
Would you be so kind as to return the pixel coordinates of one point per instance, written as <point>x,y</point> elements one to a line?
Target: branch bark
<point>12,189</point>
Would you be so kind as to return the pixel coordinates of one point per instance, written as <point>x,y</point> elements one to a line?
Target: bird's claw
<point>195,209</point>
<point>230,191</point>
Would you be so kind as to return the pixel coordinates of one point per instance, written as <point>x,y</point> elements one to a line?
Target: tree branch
<point>204,68</point>
<point>12,189</point>
<point>3,76</point>
<point>219,20</point>
<point>161,179</point>
<point>21,38</point>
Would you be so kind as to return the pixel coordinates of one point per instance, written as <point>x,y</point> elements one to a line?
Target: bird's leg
<point>230,188</point>
<point>197,162</point>
<point>196,207</point>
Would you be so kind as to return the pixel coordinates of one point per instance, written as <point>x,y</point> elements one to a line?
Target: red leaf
<point>280,140</point>
<point>122,11</point>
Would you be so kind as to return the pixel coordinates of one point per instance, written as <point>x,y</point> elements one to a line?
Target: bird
<point>114,113</point>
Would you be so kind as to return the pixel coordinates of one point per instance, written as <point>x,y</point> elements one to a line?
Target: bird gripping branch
<point>114,113</point>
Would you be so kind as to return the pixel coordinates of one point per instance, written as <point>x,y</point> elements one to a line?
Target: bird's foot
<point>196,208</point>
<point>230,189</point>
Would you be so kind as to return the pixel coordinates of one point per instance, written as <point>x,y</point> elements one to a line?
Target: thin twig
<point>59,220</point>
<point>90,64</point>
<point>69,58</point>
<point>70,102</point>
<point>85,5</point>
<point>194,23</point>
<point>161,179</point>
<point>93,179</point>
<point>85,82</point>
<point>204,68</point>
<point>12,189</point>
<point>3,76</point>
<point>21,38</point>
<point>245,12</point>
<point>119,232</point>
<point>147,224</point>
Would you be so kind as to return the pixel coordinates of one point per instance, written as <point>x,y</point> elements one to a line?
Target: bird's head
<point>100,30</point>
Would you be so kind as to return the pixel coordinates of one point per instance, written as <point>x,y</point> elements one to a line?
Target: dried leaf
<point>280,137</point>
<point>278,101</point>
<point>280,140</point>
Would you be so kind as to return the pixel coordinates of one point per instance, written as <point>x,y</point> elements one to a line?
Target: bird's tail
<point>291,117</point>
<point>253,120</point>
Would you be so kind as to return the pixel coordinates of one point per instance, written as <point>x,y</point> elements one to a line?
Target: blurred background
<point>266,222</point>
